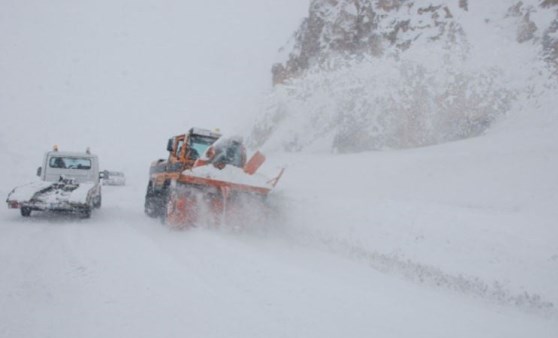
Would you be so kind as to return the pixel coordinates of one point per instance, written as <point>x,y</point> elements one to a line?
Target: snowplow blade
<point>197,198</point>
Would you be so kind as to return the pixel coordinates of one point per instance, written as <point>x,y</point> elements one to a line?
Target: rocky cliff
<point>376,28</point>
<point>375,74</point>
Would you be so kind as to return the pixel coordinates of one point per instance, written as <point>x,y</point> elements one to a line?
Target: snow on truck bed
<point>27,191</point>
<point>80,194</point>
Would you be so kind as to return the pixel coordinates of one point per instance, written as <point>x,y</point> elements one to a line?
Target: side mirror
<point>103,174</point>
<point>170,143</point>
<point>39,171</point>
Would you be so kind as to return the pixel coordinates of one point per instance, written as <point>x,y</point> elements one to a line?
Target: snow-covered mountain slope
<point>477,216</point>
<point>367,27</point>
<point>393,28</point>
<point>371,74</point>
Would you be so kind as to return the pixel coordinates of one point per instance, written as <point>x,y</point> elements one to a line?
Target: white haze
<point>123,76</point>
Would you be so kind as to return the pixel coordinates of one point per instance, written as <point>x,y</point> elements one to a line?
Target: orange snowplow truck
<point>205,176</point>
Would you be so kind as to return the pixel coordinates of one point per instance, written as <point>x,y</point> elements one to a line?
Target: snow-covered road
<point>121,274</point>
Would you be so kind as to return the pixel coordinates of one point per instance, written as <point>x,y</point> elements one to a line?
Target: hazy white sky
<point>87,72</point>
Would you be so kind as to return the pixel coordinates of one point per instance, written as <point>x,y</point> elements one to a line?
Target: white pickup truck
<point>69,182</point>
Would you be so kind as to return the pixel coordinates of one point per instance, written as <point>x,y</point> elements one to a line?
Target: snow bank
<point>475,216</point>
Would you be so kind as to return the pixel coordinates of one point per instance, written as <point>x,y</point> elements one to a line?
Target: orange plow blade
<point>197,201</point>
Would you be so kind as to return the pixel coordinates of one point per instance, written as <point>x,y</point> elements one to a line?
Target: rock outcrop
<point>375,74</point>
<point>352,28</point>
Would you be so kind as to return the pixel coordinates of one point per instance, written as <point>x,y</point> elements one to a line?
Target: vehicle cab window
<point>58,162</point>
<point>199,144</point>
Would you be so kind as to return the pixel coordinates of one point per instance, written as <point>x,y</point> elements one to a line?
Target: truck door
<point>175,156</point>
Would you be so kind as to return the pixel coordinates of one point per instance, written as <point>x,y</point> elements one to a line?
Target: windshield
<point>70,163</point>
<point>200,143</point>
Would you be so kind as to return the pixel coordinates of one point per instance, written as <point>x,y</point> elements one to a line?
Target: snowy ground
<point>120,274</point>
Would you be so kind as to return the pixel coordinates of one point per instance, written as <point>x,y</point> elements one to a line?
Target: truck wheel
<point>163,202</point>
<point>98,202</point>
<point>85,213</point>
<point>25,212</point>
<point>150,205</point>
<point>155,202</point>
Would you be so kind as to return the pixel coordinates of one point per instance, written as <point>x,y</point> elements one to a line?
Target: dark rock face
<point>550,45</point>
<point>549,3</point>
<point>550,37</point>
<point>526,28</point>
<point>365,27</point>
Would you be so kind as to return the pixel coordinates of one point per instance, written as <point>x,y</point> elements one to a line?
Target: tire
<point>98,202</point>
<point>85,213</point>
<point>154,202</point>
<point>163,206</point>
<point>25,212</point>
<point>162,203</point>
<point>148,206</point>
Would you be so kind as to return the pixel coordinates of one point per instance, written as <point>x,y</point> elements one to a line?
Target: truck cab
<point>183,150</point>
<point>80,167</point>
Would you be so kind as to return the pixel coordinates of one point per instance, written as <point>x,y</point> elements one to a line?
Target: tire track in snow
<point>290,212</point>
<point>430,276</point>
